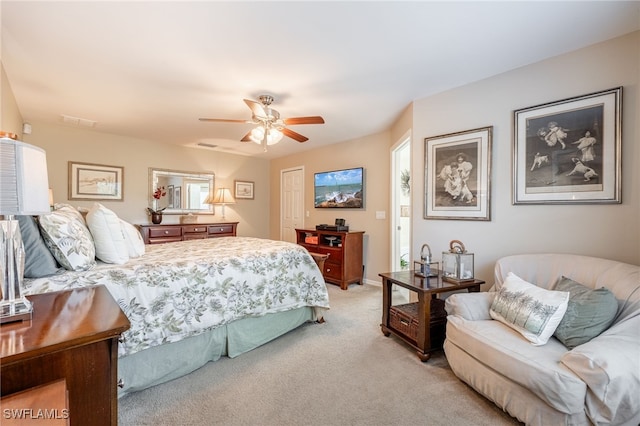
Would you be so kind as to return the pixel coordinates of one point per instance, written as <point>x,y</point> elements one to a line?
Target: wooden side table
<point>43,404</point>
<point>418,324</point>
<point>73,335</point>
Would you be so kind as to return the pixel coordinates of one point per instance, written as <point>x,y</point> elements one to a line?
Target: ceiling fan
<point>270,127</point>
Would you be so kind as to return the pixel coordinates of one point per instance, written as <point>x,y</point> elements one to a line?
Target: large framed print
<point>95,182</point>
<point>568,151</point>
<point>458,175</point>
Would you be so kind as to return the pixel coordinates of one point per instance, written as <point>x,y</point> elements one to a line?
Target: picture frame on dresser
<point>88,181</point>
<point>243,189</point>
<point>569,151</point>
<point>458,175</point>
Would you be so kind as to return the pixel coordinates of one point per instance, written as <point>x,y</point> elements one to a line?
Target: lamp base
<point>15,310</point>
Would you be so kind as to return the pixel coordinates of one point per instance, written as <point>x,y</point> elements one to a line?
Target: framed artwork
<point>243,189</point>
<point>568,151</point>
<point>170,202</point>
<point>95,182</point>
<point>458,174</point>
<point>177,197</point>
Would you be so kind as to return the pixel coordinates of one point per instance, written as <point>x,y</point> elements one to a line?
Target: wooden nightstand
<point>420,324</point>
<point>73,336</point>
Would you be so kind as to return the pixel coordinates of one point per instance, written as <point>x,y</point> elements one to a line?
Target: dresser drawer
<point>165,231</point>
<point>155,234</point>
<point>221,230</point>
<point>193,229</point>
<point>332,270</point>
<point>194,236</point>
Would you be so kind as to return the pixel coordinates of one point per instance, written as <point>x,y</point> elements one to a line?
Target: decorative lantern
<point>457,264</point>
<point>425,267</point>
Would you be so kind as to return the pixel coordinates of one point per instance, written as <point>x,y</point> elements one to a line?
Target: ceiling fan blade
<point>256,108</point>
<point>247,137</point>
<point>293,135</point>
<point>304,120</point>
<point>225,120</point>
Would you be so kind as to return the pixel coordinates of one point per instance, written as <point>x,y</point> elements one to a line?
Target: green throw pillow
<point>589,313</point>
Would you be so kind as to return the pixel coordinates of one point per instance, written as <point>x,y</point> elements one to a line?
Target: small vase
<point>156,218</point>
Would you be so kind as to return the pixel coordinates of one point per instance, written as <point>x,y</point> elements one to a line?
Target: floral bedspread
<point>182,289</point>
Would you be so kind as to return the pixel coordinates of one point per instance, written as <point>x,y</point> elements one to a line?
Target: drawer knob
<point>166,232</point>
<point>221,229</point>
<point>196,229</point>
<point>120,383</point>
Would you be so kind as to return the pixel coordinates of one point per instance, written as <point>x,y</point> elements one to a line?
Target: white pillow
<point>530,310</point>
<point>133,239</point>
<point>68,238</point>
<point>107,233</point>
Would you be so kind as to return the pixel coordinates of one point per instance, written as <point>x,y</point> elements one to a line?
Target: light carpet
<point>342,372</point>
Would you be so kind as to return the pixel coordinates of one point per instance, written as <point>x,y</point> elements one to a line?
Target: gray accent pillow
<point>589,313</point>
<point>38,262</point>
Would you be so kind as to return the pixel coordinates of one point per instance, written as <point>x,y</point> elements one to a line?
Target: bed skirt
<point>160,364</point>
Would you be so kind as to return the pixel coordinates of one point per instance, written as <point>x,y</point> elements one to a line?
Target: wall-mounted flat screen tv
<point>339,189</point>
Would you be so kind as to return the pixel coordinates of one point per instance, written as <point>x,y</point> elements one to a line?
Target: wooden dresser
<point>344,264</point>
<point>157,234</point>
<point>73,336</point>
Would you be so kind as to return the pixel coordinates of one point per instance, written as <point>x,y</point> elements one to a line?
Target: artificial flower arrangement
<point>157,194</point>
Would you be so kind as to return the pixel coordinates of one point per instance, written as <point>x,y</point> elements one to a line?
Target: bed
<point>192,302</point>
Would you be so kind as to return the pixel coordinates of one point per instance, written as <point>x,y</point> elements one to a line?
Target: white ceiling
<point>150,69</point>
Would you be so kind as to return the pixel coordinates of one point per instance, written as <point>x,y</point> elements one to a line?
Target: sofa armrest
<point>610,366</point>
<point>470,306</point>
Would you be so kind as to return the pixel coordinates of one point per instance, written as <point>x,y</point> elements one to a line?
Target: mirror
<point>184,192</point>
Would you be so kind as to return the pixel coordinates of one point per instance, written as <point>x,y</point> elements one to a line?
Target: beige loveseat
<point>597,382</point>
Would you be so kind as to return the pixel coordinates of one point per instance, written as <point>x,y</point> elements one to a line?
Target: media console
<point>344,265</point>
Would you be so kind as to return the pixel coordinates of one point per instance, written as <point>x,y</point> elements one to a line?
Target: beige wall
<point>64,143</point>
<point>10,118</point>
<point>372,153</point>
<point>605,230</point>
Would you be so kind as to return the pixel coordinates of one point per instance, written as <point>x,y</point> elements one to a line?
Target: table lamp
<point>24,190</point>
<point>222,196</point>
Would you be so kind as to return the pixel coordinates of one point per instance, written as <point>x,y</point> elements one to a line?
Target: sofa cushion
<point>532,311</point>
<point>38,262</point>
<point>537,368</point>
<point>108,235</point>
<point>589,313</point>
<point>610,366</point>
<point>68,238</point>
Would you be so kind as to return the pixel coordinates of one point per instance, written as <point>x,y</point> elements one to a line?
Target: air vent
<point>207,145</point>
<point>76,121</point>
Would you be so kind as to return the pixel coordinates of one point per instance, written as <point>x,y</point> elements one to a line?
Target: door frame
<point>282,172</point>
<point>395,209</point>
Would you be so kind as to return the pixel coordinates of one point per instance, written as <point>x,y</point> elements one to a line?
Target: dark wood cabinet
<point>73,335</point>
<point>344,265</point>
<point>158,234</point>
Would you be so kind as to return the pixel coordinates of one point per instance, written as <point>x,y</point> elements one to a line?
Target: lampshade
<point>223,196</point>
<point>273,135</point>
<point>24,185</point>
<point>24,190</point>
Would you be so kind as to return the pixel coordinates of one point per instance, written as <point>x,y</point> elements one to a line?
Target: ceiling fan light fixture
<point>273,135</point>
